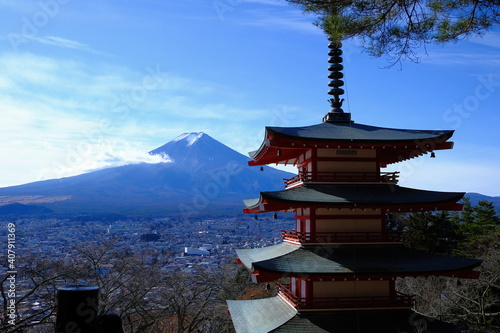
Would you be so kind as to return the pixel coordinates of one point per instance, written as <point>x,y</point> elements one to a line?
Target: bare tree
<point>41,277</point>
<point>128,283</point>
<point>190,296</point>
<point>471,303</point>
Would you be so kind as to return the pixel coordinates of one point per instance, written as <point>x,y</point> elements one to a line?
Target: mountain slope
<point>17,209</point>
<point>476,197</point>
<point>198,152</point>
<point>204,176</point>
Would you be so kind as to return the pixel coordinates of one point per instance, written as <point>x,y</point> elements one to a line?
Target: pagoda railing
<point>342,237</point>
<point>399,300</point>
<point>341,177</point>
<point>286,293</point>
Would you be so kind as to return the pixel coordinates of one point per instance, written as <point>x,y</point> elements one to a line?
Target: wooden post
<point>77,309</point>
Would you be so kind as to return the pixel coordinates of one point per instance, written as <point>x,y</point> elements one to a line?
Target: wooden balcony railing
<point>286,293</point>
<point>342,177</point>
<point>372,302</point>
<point>342,237</point>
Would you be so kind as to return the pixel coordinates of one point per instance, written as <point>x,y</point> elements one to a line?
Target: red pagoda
<point>340,263</point>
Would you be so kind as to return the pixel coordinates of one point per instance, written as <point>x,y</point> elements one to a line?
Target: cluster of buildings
<point>182,244</point>
<point>186,241</point>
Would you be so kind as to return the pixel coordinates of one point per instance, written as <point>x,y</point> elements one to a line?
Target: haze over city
<point>94,84</point>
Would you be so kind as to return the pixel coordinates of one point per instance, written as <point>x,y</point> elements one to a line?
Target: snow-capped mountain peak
<point>199,150</point>
<point>204,175</point>
<point>189,138</point>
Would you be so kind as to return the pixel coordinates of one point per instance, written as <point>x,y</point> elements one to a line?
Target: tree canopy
<point>397,28</point>
<point>471,233</point>
<point>474,232</point>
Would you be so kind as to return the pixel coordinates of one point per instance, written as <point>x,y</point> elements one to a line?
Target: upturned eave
<point>388,197</point>
<point>351,262</point>
<point>284,145</point>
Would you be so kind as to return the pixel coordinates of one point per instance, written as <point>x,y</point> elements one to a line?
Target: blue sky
<point>92,84</point>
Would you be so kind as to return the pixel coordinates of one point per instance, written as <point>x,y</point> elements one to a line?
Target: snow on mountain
<point>195,151</point>
<point>189,138</point>
<point>203,176</point>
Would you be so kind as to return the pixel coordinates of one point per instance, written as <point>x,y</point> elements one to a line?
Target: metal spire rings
<point>335,75</point>
<point>336,113</point>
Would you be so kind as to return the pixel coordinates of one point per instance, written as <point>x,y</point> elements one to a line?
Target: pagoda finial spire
<point>336,113</point>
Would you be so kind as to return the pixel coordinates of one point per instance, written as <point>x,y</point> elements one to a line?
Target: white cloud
<point>17,39</point>
<point>291,19</point>
<point>466,53</point>
<point>66,43</point>
<point>57,118</point>
<point>469,59</point>
<point>87,157</point>
<point>62,117</point>
<point>491,39</point>
<point>21,6</point>
<point>449,175</point>
<point>269,2</point>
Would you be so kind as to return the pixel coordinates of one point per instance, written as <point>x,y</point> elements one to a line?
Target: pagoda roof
<point>364,321</point>
<point>333,134</point>
<point>352,260</point>
<point>260,315</point>
<point>351,131</point>
<point>275,315</point>
<point>388,196</point>
<point>394,321</point>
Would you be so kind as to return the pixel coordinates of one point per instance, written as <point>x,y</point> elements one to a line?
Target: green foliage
<point>397,28</point>
<point>479,227</point>
<point>474,232</point>
<point>470,233</point>
<point>335,26</point>
<point>430,232</point>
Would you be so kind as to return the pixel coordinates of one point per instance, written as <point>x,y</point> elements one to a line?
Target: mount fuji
<point>202,177</point>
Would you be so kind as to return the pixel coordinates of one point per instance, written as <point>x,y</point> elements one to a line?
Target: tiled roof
<point>365,322</point>
<point>260,315</point>
<point>358,133</point>
<point>356,194</point>
<point>348,260</point>
<point>284,144</point>
<point>276,316</point>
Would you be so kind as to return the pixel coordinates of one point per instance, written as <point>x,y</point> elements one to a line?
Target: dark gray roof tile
<point>358,133</point>
<point>356,194</point>
<point>392,260</point>
<point>260,315</point>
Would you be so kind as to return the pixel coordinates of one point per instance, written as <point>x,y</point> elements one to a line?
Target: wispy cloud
<point>490,39</point>
<point>100,156</point>
<point>291,19</point>
<point>466,52</point>
<point>67,43</point>
<point>59,42</point>
<point>442,175</point>
<point>70,118</point>
<point>62,115</point>
<point>462,58</point>
<point>269,2</point>
<point>22,6</point>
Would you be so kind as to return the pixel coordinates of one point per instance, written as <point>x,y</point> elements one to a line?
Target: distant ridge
<point>18,209</point>
<point>476,197</point>
<point>203,177</point>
